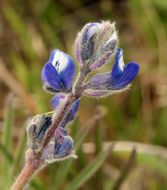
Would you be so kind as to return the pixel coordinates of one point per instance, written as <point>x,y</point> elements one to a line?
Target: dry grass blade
<point>127,146</point>
<point>16,87</point>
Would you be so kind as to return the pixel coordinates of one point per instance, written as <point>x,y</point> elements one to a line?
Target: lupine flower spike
<point>95,46</point>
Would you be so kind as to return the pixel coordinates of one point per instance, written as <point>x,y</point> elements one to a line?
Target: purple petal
<point>57,147</point>
<point>66,147</point>
<point>56,100</point>
<point>78,49</point>
<point>96,93</point>
<point>64,65</point>
<point>70,115</point>
<point>118,67</point>
<point>88,40</point>
<point>129,73</point>
<point>50,76</point>
<point>91,29</point>
<point>100,62</point>
<point>45,126</point>
<point>74,109</point>
<point>60,133</point>
<point>100,80</point>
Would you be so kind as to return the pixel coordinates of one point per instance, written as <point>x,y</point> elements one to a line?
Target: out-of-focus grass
<point>29,31</point>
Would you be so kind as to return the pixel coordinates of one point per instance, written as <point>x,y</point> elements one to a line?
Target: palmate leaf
<point>89,171</point>
<point>66,165</point>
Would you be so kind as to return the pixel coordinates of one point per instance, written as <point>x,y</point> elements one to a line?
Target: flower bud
<point>95,44</point>
<point>60,149</point>
<point>85,42</point>
<point>58,72</point>
<point>36,130</point>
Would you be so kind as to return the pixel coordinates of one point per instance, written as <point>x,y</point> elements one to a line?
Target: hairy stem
<point>79,81</point>
<point>57,118</point>
<point>35,161</point>
<point>29,169</point>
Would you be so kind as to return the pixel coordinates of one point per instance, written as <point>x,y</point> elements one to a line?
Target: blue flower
<point>63,143</point>
<point>70,115</point>
<point>58,72</point>
<point>56,100</point>
<point>115,81</point>
<point>60,148</point>
<point>121,74</point>
<point>65,148</point>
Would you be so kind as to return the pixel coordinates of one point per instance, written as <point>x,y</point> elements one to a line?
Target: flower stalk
<point>34,162</point>
<point>27,172</point>
<point>47,138</point>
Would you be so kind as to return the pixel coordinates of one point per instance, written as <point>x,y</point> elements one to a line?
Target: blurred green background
<point>29,31</point>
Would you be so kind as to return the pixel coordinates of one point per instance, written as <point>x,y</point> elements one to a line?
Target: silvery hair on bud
<point>36,130</point>
<point>96,44</point>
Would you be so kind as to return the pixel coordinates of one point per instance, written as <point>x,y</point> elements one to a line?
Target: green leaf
<point>6,153</point>
<point>89,171</point>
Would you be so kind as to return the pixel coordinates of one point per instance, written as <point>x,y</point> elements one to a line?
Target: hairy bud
<point>36,130</point>
<point>59,149</point>
<point>96,44</point>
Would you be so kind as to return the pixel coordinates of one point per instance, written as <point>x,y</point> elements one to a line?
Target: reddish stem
<point>34,162</point>
<point>25,175</point>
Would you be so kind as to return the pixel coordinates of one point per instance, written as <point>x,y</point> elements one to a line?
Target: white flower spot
<point>60,61</point>
<point>121,62</point>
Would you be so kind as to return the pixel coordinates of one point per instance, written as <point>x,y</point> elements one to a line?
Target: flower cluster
<point>95,46</point>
